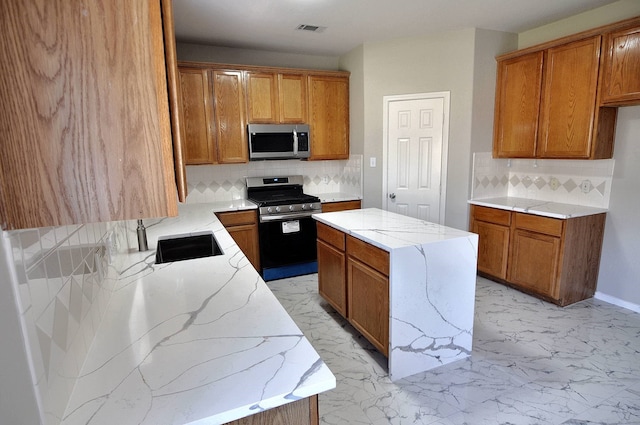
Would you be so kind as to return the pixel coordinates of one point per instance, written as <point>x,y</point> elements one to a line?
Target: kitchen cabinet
<point>332,279</point>
<point>301,412</point>
<point>492,226</point>
<point>353,276</point>
<point>197,116</point>
<point>86,138</point>
<point>517,106</point>
<point>329,116</point>
<point>341,206</point>
<point>621,70</point>
<point>547,104</point>
<point>230,116</point>
<point>274,97</point>
<point>243,228</point>
<point>554,259</point>
<point>368,292</point>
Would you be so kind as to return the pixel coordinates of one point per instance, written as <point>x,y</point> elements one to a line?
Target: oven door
<point>288,247</point>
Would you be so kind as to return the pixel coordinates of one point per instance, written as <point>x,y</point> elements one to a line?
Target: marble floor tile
<point>532,363</point>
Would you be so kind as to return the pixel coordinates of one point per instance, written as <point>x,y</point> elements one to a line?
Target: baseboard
<point>617,301</point>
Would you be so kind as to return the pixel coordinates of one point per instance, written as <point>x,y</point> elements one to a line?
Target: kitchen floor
<point>532,363</point>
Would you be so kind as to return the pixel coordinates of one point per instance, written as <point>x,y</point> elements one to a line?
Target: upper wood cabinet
<point>86,128</point>
<point>329,116</point>
<point>621,70</point>
<point>518,95</point>
<point>548,106</point>
<point>276,97</point>
<point>197,116</point>
<point>230,116</point>
<point>569,112</point>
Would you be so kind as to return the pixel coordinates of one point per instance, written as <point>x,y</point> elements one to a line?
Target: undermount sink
<point>186,247</point>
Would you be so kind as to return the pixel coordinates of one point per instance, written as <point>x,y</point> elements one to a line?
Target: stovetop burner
<point>281,195</point>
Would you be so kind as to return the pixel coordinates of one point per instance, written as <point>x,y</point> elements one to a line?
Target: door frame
<point>386,100</point>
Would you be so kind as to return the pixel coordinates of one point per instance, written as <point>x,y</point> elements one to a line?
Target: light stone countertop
<point>201,341</point>
<point>538,207</point>
<point>337,197</point>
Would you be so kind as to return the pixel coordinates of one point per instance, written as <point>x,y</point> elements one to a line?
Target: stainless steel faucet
<point>142,237</point>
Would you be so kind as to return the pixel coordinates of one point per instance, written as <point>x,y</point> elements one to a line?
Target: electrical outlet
<point>585,186</point>
<point>554,183</point>
<point>372,162</point>
<point>325,180</point>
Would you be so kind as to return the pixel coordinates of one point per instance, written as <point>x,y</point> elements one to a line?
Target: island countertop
<point>193,342</point>
<point>431,285</point>
<point>387,230</point>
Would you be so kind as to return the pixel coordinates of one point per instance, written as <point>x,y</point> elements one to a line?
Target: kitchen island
<point>202,341</point>
<point>430,272</point>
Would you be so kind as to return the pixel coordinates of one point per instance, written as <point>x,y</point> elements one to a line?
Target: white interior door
<point>416,131</point>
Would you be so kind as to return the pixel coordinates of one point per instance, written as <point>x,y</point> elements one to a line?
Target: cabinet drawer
<point>536,223</point>
<point>331,236</point>
<point>237,218</point>
<point>341,206</point>
<point>373,256</point>
<point>492,215</point>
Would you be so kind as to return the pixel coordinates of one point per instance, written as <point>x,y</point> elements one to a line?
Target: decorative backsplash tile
<point>212,183</point>
<point>581,182</point>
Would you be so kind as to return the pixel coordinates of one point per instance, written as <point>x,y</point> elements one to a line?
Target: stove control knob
<point>277,209</point>
<point>290,207</point>
<point>304,206</point>
<point>269,210</point>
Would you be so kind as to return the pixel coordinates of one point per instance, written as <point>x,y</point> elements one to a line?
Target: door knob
<point>392,196</point>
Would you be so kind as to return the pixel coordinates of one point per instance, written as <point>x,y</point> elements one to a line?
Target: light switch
<point>372,162</point>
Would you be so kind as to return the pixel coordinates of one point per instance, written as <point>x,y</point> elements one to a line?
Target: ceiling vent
<point>310,28</point>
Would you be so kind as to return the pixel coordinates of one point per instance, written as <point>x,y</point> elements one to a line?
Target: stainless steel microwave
<point>278,141</point>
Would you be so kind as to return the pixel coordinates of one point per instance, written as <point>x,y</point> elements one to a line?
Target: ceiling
<point>271,24</point>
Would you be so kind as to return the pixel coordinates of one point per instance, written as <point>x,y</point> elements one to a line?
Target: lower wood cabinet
<point>301,412</point>
<point>555,259</point>
<point>353,276</point>
<point>341,206</point>
<point>243,228</point>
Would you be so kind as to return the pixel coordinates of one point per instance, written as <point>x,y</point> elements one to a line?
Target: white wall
<point>619,278</point>
<point>438,62</point>
<point>216,54</point>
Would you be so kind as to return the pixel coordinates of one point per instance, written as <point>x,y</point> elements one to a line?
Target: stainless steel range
<point>287,231</point>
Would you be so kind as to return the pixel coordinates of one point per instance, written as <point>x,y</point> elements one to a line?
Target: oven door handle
<point>284,217</point>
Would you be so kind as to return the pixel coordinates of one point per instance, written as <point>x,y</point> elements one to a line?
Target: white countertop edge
<point>234,205</point>
<point>538,207</point>
<point>337,197</point>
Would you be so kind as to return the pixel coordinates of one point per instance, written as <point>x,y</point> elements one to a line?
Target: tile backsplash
<point>580,182</point>
<point>65,277</point>
<point>213,183</point>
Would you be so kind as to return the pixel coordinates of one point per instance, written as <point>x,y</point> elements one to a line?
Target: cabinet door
<point>329,117</point>
<point>262,97</point>
<point>368,303</point>
<point>621,80</point>
<point>493,248</point>
<point>231,132</point>
<point>246,237</point>
<point>197,116</point>
<point>568,110</point>
<point>534,260</point>
<point>85,128</point>
<point>517,107</point>
<point>332,282</point>
<point>292,90</point>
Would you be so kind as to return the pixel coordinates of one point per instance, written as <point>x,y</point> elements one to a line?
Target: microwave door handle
<point>295,143</point>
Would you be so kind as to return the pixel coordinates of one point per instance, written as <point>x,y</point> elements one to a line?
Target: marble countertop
<point>388,230</point>
<point>197,341</point>
<point>538,207</point>
<point>234,205</point>
<point>337,197</point>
